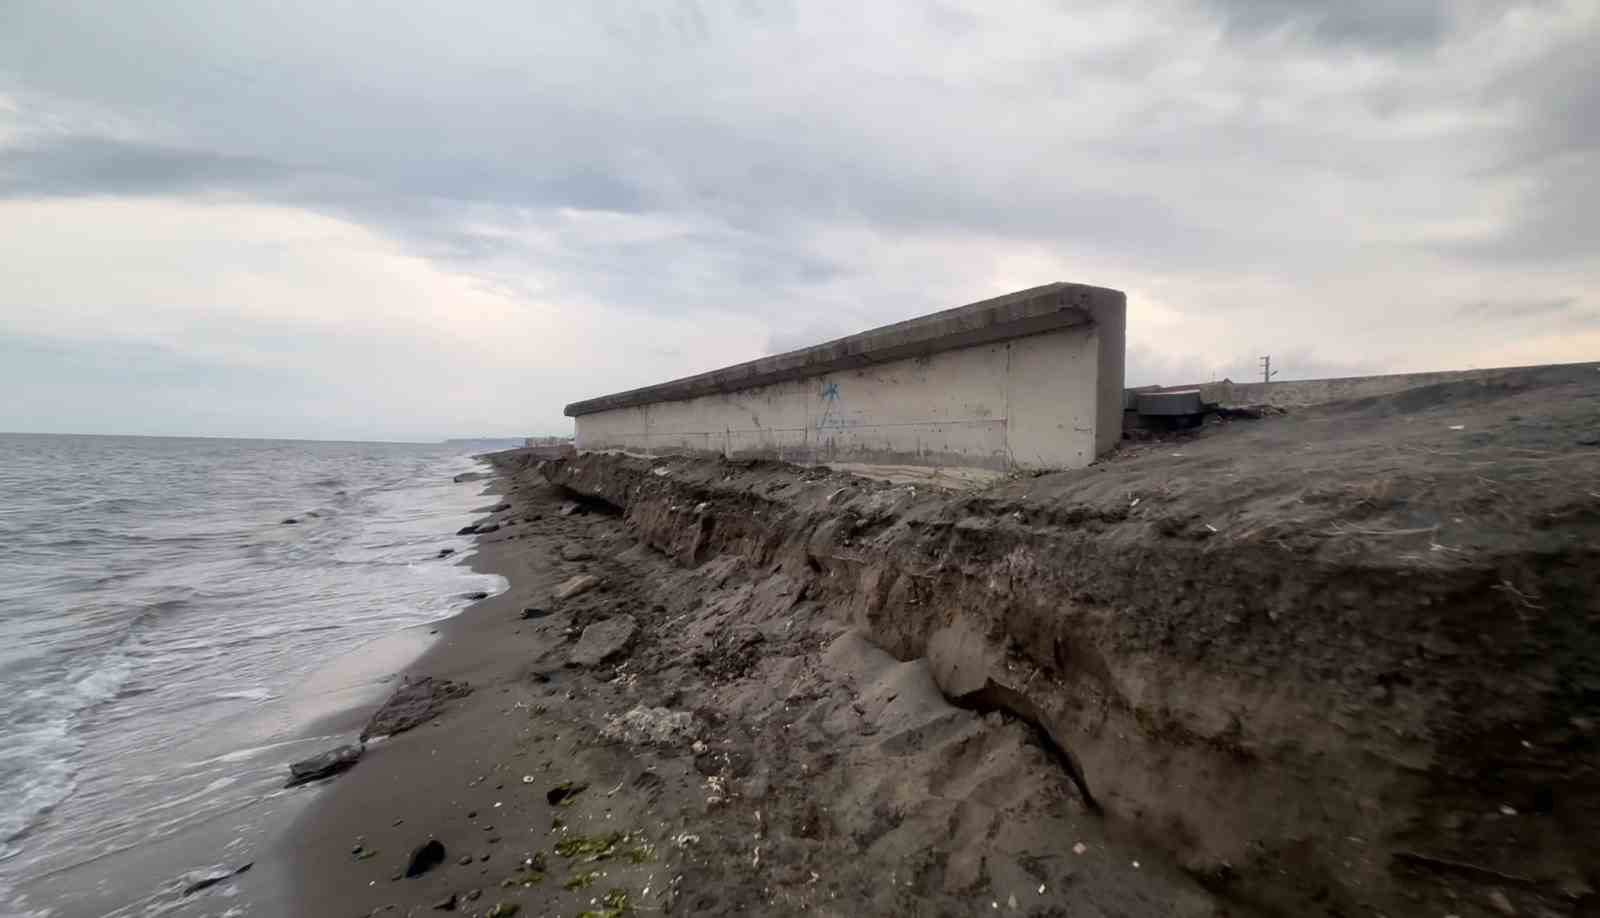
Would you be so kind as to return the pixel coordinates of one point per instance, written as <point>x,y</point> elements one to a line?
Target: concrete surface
<point>1027,381</point>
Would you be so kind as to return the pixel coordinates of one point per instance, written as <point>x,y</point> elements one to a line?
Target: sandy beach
<point>766,744</point>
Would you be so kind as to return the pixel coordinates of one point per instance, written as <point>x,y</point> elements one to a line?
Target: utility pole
<point>1267,372</point>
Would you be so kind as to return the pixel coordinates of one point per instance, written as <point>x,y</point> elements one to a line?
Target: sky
<point>324,219</point>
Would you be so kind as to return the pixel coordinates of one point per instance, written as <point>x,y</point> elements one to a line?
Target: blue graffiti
<point>830,395</point>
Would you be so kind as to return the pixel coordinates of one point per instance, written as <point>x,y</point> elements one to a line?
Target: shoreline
<point>746,687</point>
<point>728,757</point>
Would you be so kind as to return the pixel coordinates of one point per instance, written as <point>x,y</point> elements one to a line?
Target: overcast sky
<point>312,218</point>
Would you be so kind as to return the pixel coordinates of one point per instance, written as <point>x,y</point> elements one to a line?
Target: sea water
<point>156,608</point>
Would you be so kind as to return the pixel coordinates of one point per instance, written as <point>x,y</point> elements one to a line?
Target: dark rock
<point>475,596</point>
<point>499,508</point>
<point>468,476</point>
<point>603,640</point>
<point>414,703</point>
<point>447,904</point>
<point>473,894</point>
<point>425,857</point>
<point>534,612</point>
<point>564,791</point>
<point>324,765</point>
<point>290,521</point>
<point>446,552</point>
<point>572,552</point>
<point>486,528</point>
<point>211,881</point>
<point>467,530</point>
<point>464,860</point>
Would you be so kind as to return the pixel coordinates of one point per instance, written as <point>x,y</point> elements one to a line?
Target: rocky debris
<point>325,764</point>
<point>486,528</point>
<point>415,702</point>
<point>574,552</point>
<point>214,879</point>
<point>475,595</point>
<point>660,726</point>
<point>446,552</point>
<point>503,910</point>
<point>571,507</point>
<point>425,857</point>
<point>289,522</point>
<point>447,904</point>
<point>468,476</point>
<point>603,640</point>
<point>500,508</point>
<point>731,654</point>
<point>576,586</point>
<point>467,530</point>
<point>532,612</point>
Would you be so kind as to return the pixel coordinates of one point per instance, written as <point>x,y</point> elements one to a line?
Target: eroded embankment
<point>1308,726</point>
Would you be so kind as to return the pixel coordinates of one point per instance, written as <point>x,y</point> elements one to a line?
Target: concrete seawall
<point>1027,381</point>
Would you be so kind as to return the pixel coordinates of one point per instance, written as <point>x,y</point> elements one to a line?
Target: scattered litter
<point>1135,865</point>
<point>1211,527</point>
<point>1041,889</point>
<point>527,779</point>
<point>1080,848</point>
<point>1458,427</point>
<point>1507,810</point>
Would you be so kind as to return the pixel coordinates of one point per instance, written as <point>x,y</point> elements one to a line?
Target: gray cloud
<point>78,165</point>
<point>1383,24</point>
<point>815,170</point>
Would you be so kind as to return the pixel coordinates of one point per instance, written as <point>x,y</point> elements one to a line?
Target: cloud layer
<point>453,220</point>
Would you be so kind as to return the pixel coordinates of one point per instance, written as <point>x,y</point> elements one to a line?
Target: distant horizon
<point>399,442</point>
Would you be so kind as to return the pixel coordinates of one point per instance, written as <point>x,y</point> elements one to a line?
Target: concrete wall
<point>1028,381</point>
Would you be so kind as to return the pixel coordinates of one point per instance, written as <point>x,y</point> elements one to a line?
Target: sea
<point>169,641</point>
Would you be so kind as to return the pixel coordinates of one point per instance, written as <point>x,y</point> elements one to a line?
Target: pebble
<point>465,860</point>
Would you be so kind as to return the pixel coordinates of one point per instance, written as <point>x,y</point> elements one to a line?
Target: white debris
<point>652,725</point>
<point>1080,848</point>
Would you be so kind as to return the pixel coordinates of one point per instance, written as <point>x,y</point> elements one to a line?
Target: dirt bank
<point>1340,662</point>
<point>735,747</point>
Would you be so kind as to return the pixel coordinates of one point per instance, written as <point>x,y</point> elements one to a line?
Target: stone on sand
<point>578,585</point>
<point>575,552</point>
<point>325,764</point>
<point>425,857</point>
<point>414,702</point>
<point>603,640</point>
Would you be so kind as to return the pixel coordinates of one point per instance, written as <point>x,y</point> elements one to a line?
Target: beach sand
<point>774,762</point>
